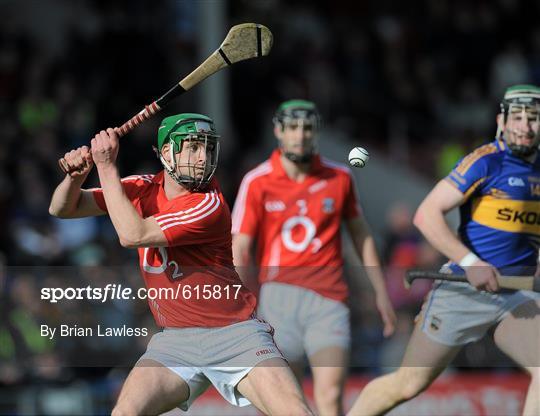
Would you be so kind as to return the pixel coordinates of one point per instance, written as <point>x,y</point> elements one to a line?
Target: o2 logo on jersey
<point>310,230</point>
<point>175,272</point>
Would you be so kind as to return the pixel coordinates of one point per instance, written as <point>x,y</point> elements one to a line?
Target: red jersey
<point>297,225</point>
<point>195,273</point>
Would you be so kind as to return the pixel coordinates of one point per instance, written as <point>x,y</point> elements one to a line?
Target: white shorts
<point>304,321</point>
<point>456,313</point>
<point>219,356</point>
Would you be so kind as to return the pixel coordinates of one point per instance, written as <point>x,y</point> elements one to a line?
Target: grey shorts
<point>304,321</point>
<point>218,356</point>
<point>456,313</point>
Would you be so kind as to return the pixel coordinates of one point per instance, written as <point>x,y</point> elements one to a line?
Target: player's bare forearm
<point>365,248</point>
<point>430,220</point>
<point>241,247</point>
<point>133,230</point>
<point>68,200</point>
<point>66,197</point>
<point>364,245</point>
<point>371,261</point>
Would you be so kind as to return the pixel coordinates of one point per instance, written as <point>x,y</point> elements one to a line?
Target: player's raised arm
<point>69,200</point>
<point>133,230</point>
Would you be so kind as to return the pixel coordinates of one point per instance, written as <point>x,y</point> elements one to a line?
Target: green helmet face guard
<point>521,104</point>
<point>298,113</point>
<point>192,133</point>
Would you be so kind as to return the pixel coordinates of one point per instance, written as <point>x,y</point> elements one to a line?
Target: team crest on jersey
<point>328,205</point>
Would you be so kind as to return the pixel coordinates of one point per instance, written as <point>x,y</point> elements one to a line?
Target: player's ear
<point>165,152</point>
<point>278,131</point>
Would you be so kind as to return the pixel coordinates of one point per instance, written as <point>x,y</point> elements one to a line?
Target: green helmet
<point>297,109</point>
<point>187,127</point>
<point>523,97</point>
<point>179,126</point>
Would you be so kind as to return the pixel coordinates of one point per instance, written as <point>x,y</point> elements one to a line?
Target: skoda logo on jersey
<point>328,205</point>
<point>513,181</point>
<point>274,206</point>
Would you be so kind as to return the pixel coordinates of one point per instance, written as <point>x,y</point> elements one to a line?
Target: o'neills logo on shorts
<point>435,323</point>
<point>265,351</point>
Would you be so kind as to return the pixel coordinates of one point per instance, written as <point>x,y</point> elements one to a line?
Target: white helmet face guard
<point>193,176</point>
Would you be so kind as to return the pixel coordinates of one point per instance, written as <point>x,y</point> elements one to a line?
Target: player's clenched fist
<point>483,276</point>
<point>79,162</point>
<point>105,147</point>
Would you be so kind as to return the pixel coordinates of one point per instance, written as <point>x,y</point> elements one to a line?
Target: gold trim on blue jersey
<point>507,215</point>
<point>473,187</point>
<point>497,193</point>
<point>455,177</point>
<point>501,143</point>
<point>469,160</point>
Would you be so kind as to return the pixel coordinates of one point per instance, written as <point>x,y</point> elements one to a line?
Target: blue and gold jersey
<point>500,220</point>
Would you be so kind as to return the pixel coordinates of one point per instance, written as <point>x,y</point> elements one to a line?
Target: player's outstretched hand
<point>80,162</point>
<point>388,315</point>
<point>105,148</point>
<point>483,276</point>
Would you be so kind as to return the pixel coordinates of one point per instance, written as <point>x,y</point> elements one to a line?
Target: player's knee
<point>328,395</point>
<point>412,384</point>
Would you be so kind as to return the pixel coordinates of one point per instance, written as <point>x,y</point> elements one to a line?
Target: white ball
<point>358,157</point>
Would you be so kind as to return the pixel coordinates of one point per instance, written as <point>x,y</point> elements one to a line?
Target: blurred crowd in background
<point>419,82</point>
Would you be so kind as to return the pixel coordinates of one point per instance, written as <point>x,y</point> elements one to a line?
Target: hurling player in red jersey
<point>292,207</point>
<point>180,225</point>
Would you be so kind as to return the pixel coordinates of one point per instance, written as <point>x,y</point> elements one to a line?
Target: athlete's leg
<point>298,369</point>
<point>273,389</point>
<point>518,335</point>
<point>329,369</point>
<point>150,389</point>
<point>424,360</point>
